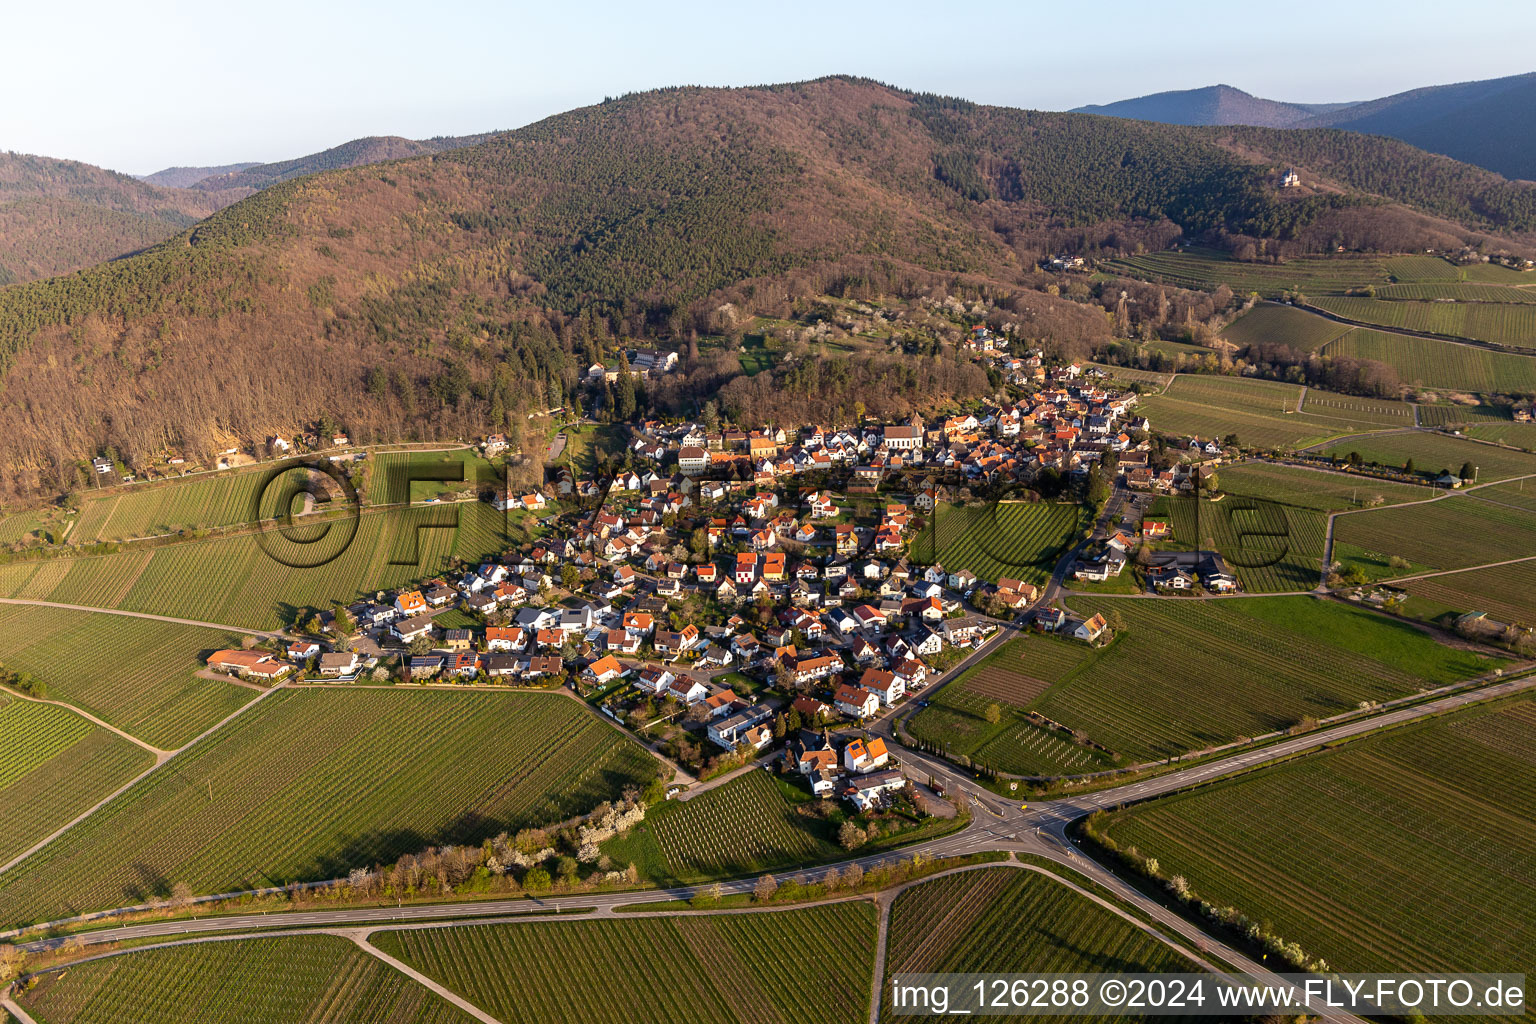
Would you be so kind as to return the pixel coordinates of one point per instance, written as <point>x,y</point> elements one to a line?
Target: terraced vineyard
<point>137,674</point>
<point>1271,548</point>
<point>222,499</point>
<point>744,826</point>
<point>1184,674</point>
<point>1013,678</point>
<point>314,782</point>
<point>1439,364</point>
<point>1453,533</point>
<point>1373,855</point>
<point>1512,324</point>
<point>1270,322</point>
<point>1310,489</point>
<point>1016,539</point>
<point>1006,920</point>
<point>54,765</point>
<point>1506,592</point>
<point>1433,452</point>
<point>289,979</point>
<point>1259,412</point>
<point>812,964</point>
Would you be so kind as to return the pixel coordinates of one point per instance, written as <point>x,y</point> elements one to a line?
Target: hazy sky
<point>140,86</point>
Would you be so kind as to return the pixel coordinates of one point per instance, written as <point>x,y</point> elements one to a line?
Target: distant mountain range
<point>1213,105</point>
<point>443,293</point>
<point>1491,123</point>
<point>186,177</point>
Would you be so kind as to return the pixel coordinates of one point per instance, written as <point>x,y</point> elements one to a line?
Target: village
<point>736,591</point>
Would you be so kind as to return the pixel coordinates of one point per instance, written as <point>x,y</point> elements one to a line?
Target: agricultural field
<point>1008,920</point>
<point>136,674</point>
<point>1131,375</point>
<point>1014,677</point>
<point>291,979</point>
<point>1204,269</point>
<point>1509,324</point>
<point>752,823</point>
<point>1271,548</point>
<point>222,499</point>
<point>1521,435</point>
<point>313,782</point>
<point>1407,851</point>
<point>54,765</point>
<point>1456,293</point>
<point>1506,592</point>
<point>1456,532</point>
<point>1433,452</point>
<point>1314,489</point>
<point>1439,364</point>
<point>1259,412</point>
<point>1355,412</point>
<point>1271,322</point>
<point>1184,674</point>
<point>1016,539</point>
<point>465,470</point>
<point>810,964</point>
<point>236,580</point>
<point>1446,414</point>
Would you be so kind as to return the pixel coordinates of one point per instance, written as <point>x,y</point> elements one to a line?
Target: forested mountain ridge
<point>1212,105</point>
<point>241,180</point>
<point>59,215</point>
<point>437,296</point>
<point>185,177</point>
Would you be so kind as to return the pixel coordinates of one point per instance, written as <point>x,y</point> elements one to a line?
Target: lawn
<point>1506,592</point>
<point>136,674</point>
<point>1016,539</point>
<point>1456,532</point>
<point>1313,489</point>
<point>1440,364</point>
<point>811,964</point>
<point>1272,322</point>
<point>1185,674</point>
<point>1013,677</point>
<point>314,782</point>
<point>586,444</point>
<point>54,765</point>
<point>1262,412</point>
<point>1512,324</point>
<point>287,979</point>
<point>1409,851</point>
<point>1433,453</point>
<point>1006,920</point>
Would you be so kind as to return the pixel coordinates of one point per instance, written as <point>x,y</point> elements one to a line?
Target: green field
<point>1440,364</point>
<point>1313,489</point>
<point>136,674</point>
<point>1271,322</point>
<point>1006,920</point>
<point>1457,292</point>
<point>1262,412</point>
<point>1506,592</point>
<point>237,580</point>
<point>1456,532</point>
<point>222,499</point>
<point>1015,539</point>
<point>1511,324</point>
<point>750,824</point>
<point>1012,678</point>
<point>1271,548</point>
<point>1409,851</point>
<point>1432,452</point>
<point>288,979</point>
<point>812,964</point>
<point>1188,674</point>
<point>54,765</point>
<point>1205,269</point>
<point>1521,435</point>
<point>314,782</point>
<point>1446,414</point>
